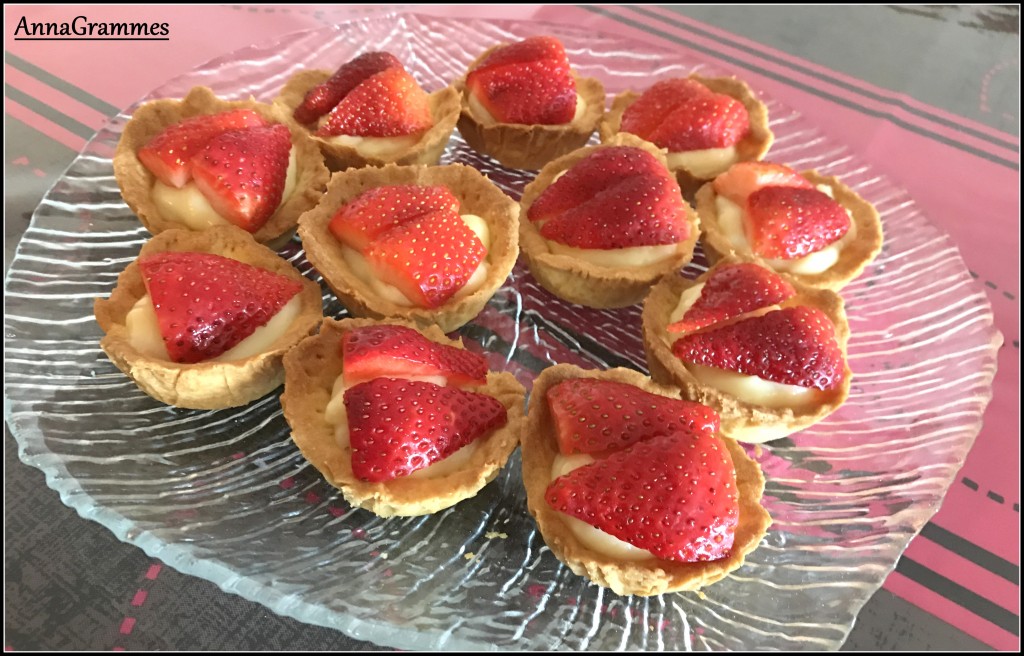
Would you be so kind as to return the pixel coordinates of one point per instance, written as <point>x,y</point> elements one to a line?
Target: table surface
<point>928,94</point>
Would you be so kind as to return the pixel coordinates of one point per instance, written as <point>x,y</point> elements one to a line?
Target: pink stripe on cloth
<point>836,75</point>
<point>37,122</point>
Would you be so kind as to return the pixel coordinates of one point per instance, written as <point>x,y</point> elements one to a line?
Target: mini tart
<point>154,117</point>
<point>740,420</point>
<point>643,577</point>
<point>752,147</point>
<point>582,282</point>
<point>523,146</point>
<point>204,385</point>
<point>853,259</point>
<point>310,371</point>
<point>476,194</point>
<point>444,108</point>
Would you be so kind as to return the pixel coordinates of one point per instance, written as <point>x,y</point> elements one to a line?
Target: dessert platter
<point>307,500</point>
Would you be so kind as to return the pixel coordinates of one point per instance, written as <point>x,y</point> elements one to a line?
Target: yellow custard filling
<point>144,332</point>
<point>704,164</point>
<point>189,206</point>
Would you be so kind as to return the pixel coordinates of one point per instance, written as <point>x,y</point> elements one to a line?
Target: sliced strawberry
<point>376,351</point>
<point>794,346</point>
<point>388,104</point>
<point>532,49</point>
<point>791,222</point>
<point>169,154</point>
<point>325,96</point>
<point>644,210</point>
<point>703,122</point>
<point>428,258</point>
<point>376,211</point>
<point>242,174</point>
<point>540,92</point>
<point>600,170</point>
<point>593,415</point>
<point>650,110</point>
<point>206,304</point>
<point>731,290</point>
<point>399,426</point>
<point>745,178</point>
<point>673,495</point>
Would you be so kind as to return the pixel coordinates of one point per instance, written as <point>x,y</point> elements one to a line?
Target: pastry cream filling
<point>189,206</point>
<point>686,301</point>
<point>144,332</point>
<point>631,257</point>
<point>484,116</point>
<point>755,390</point>
<point>732,223</point>
<point>591,536</point>
<point>362,269</point>
<point>705,164</point>
<point>336,415</point>
<point>378,147</point>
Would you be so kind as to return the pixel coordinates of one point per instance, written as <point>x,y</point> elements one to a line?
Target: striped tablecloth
<point>928,95</point>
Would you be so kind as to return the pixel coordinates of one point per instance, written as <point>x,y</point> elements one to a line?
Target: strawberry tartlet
<point>807,225</point>
<point>370,112</point>
<point>766,352</point>
<point>602,224</point>
<point>633,487</point>
<point>524,106</point>
<point>403,421</point>
<point>202,320</point>
<point>202,162</point>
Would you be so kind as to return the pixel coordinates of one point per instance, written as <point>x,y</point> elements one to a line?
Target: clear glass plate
<point>226,496</point>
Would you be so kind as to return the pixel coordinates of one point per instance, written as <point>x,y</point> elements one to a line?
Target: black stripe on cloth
<point>972,552</point>
<point>79,94</point>
<point>48,112</point>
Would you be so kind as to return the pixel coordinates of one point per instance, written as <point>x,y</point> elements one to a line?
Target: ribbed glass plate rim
<point>182,556</point>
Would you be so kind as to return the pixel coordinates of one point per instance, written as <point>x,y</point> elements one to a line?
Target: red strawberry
<point>791,222</point>
<point>673,495</point>
<point>600,170</point>
<point>794,346</point>
<point>644,210</point>
<point>169,154</point>
<point>745,178</point>
<point>376,351</point>
<point>206,304</point>
<point>593,415</point>
<point>539,92</point>
<point>388,104</point>
<point>712,121</point>
<point>428,258</point>
<point>325,96</point>
<point>376,211</point>
<point>399,426</point>
<point>242,173</point>
<point>732,290</point>
<point>651,109</point>
<point>532,49</point>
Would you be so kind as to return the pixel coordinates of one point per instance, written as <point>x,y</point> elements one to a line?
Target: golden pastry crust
<point>476,194</point>
<point>444,108</point>
<point>310,371</point>
<point>582,282</point>
<point>204,385</point>
<point>853,258</point>
<point>646,577</point>
<point>742,421</point>
<point>136,182</point>
<point>524,146</point>
<point>752,147</point>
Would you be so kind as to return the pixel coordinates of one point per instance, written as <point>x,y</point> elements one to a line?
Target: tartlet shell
<point>204,385</point>
<point>525,146</point>
<point>737,415</point>
<point>444,108</point>
<point>310,371</point>
<point>752,147</point>
<point>650,577</point>
<point>581,282</point>
<point>136,182</point>
<point>853,259</point>
<point>476,194</point>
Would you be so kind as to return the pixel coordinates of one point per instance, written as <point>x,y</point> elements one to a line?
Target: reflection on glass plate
<point>227,497</point>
